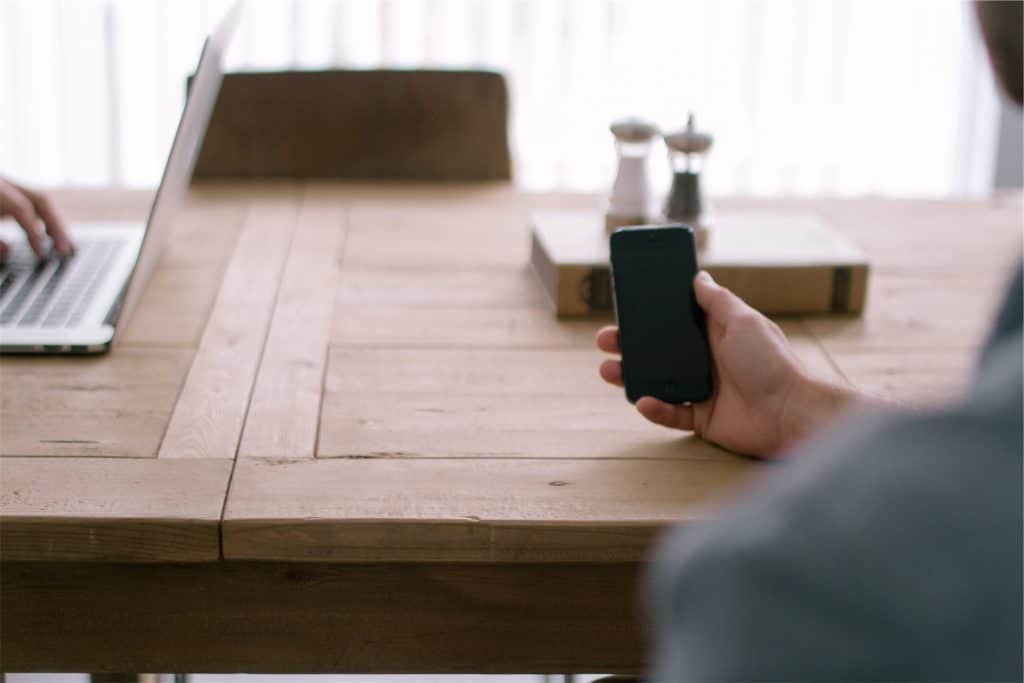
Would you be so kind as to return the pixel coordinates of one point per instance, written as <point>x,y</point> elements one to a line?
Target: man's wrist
<point>811,403</point>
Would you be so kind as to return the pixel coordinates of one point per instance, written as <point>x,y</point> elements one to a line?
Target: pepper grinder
<point>630,196</point>
<point>687,151</point>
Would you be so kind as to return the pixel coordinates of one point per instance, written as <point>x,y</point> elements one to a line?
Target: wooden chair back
<point>381,124</point>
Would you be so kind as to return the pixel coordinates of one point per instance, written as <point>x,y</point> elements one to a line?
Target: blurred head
<point>1000,23</point>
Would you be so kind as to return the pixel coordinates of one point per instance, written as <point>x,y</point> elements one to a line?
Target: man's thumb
<point>704,286</point>
<point>718,302</point>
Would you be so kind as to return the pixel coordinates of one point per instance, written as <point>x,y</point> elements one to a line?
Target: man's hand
<point>763,401</point>
<point>29,209</point>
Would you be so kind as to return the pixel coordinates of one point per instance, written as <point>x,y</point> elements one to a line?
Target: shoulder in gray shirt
<point>891,550</point>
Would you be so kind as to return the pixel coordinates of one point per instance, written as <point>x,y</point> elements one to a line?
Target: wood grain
<point>911,311</point>
<point>284,414</point>
<point>477,403</point>
<point>509,372</point>
<point>940,237</point>
<point>461,424</point>
<point>458,326</point>
<point>939,270</point>
<point>494,288</point>
<point>321,618</point>
<point>176,303</point>
<point>210,413</point>
<point>386,124</point>
<point>115,405</point>
<point>918,340</point>
<point>480,402</point>
<point>410,236</point>
<point>926,378</point>
<point>108,509</point>
<point>492,426</point>
<point>358,510</point>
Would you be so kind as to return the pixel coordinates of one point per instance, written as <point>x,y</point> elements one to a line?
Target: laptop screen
<point>202,97</point>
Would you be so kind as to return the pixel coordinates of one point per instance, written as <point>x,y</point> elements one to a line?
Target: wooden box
<point>779,263</point>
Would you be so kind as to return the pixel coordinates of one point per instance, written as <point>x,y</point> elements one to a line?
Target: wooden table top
<point>368,373</point>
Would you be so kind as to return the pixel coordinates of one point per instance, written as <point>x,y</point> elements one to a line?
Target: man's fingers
<point>666,414</point>
<point>611,372</point>
<point>718,302</point>
<point>13,202</point>
<point>55,226</point>
<point>608,339</point>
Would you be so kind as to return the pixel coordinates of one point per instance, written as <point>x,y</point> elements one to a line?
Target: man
<point>890,548</point>
<point>31,209</point>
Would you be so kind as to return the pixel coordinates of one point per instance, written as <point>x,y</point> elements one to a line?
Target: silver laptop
<point>79,304</point>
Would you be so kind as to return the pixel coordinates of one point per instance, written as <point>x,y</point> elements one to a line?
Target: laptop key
<point>13,307</point>
<point>65,296</point>
<point>6,283</point>
<point>44,296</point>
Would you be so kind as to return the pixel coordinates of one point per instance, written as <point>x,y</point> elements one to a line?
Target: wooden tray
<point>780,263</point>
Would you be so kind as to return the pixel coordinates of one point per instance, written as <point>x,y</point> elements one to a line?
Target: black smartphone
<point>662,330</point>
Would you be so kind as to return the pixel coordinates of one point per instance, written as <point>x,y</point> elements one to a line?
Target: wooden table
<point>343,433</point>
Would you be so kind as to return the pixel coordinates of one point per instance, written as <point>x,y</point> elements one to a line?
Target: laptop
<point>80,303</point>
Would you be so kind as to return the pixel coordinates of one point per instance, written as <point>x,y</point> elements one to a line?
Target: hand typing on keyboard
<point>30,209</point>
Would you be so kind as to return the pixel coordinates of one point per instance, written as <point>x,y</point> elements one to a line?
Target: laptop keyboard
<point>54,292</point>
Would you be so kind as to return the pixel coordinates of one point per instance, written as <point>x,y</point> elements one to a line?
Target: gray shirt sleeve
<point>891,551</point>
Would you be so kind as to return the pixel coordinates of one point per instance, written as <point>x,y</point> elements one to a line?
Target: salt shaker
<point>630,195</point>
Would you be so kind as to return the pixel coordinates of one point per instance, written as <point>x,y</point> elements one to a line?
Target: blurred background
<point>804,97</point>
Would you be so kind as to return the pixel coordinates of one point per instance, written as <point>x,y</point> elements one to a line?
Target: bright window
<point>803,96</point>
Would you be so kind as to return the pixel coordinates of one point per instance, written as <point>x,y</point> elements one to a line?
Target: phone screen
<point>662,333</point>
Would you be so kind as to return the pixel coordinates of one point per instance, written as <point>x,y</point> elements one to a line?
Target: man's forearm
<point>814,402</point>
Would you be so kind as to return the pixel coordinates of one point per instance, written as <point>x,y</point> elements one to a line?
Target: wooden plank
<point>116,405</point>
<point>919,337</point>
<point>561,373</point>
<point>210,413</point>
<point>176,303</point>
<point>322,618</point>
<point>174,307</point>
<point>909,311</point>
<point>939,237</point>
<point>492,426</point>
<point>385,510</point>
<point>420,402</point>
<point>458,326</point>
<point>914,234</point>
<point>809,350</point>
<point>105,509</point>
<point>462,326</point>
<point>411,236</point>
<point>284,415</point>
<point>922,377</point>
<point>480,403</point>
<point>495,288</point>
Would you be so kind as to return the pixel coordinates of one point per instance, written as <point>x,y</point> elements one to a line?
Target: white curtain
<point>803,96</point>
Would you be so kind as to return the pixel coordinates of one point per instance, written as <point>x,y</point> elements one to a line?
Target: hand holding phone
<point>763,401</point>
<point>662,333</point>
